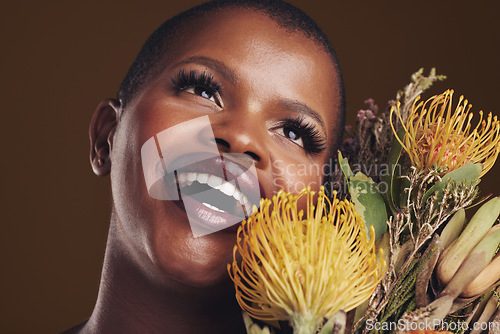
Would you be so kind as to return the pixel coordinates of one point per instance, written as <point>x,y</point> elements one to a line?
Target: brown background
<point>60,58</point>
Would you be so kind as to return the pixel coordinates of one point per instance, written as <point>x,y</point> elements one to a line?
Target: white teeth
<point>217,183</point>
<point>237,194</point>
<point>202,178</point>
<point>227,188</point>
<point>214,182</point>
<point>247,205</point>
<point>190,178</point>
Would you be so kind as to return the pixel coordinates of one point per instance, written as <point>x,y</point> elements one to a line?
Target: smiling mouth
<point>215,193</point>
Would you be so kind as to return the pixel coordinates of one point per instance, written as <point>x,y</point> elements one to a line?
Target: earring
<point>100,162</point>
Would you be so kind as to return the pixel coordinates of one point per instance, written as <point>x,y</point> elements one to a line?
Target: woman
<point>266,79</point>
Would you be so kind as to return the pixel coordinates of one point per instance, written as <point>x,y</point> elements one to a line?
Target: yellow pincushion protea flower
<point>435,134</point>
<point>304,269</point>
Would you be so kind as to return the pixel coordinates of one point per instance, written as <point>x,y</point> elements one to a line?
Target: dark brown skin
<point>157,278</point>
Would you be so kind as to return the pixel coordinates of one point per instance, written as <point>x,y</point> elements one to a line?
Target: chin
<point>209,280</point>
<point>200,263</point>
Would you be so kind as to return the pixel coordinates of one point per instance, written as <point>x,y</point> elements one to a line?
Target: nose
<point>241,133</point>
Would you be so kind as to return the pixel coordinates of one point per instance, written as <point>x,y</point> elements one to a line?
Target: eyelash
<point>195,79</point>
<point>313,141</point>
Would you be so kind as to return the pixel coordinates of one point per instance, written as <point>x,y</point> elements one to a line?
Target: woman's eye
<point>202,84</point>
<point>203,92</point>
<point>291,134</point>
<point>302,133</point>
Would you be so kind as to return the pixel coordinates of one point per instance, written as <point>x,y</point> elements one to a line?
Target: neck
<point>131,302</point>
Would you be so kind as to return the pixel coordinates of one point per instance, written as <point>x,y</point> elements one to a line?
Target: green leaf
<point>367,199</point>
<point>467,173</point>
<point>368,203</point>
<point>392,181</point>
<point>344,166</point>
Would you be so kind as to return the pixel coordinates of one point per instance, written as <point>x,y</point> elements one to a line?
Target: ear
<point>101,131</point>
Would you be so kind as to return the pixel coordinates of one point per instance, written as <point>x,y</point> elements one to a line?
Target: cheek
<point>157,232</point>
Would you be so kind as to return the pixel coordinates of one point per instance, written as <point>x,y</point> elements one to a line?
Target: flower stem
<point>305,323</point>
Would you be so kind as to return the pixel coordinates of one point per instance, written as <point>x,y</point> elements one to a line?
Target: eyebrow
<point>214,64</point>
<point>302,108</point>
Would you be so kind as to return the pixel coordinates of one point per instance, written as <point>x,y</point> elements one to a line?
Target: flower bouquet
<point>385,246</point>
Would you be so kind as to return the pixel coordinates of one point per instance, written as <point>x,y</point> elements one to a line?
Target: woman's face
<point>270,95</point>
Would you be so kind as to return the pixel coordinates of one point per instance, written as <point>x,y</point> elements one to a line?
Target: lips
<point>217,192</point>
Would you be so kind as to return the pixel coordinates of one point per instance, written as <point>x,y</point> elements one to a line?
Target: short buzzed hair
<point>284,14</point>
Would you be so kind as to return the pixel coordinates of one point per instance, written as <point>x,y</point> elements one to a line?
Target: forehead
<point>270,58</point>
